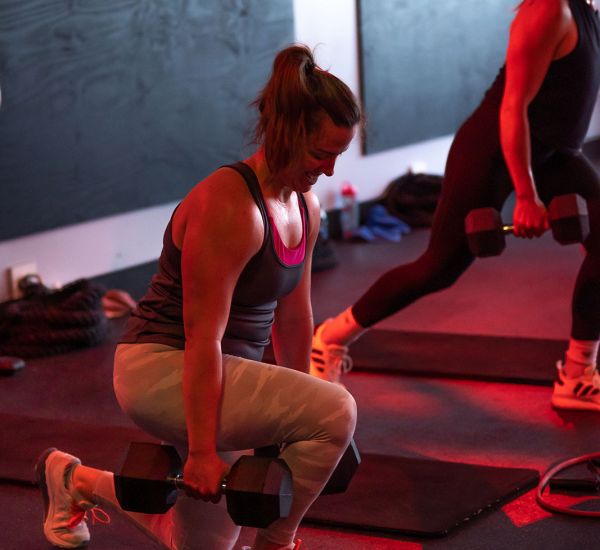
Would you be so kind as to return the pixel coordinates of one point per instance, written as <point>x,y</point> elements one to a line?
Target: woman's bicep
<point>536,32</point>
<point>216,247</point>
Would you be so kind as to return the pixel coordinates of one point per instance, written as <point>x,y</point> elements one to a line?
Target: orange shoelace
<point>79,514</point>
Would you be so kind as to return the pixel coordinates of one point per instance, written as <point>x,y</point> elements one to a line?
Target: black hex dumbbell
<point>341,476</point>
<point>258,490</point>
<point>344,471</point>
<point>567,214</point>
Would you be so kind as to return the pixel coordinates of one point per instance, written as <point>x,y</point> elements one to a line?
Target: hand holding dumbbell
<point>530,218</point>
<point>258,490</point>
<point>568,217</point>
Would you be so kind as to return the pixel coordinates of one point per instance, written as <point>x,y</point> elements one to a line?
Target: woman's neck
<point>269,186</point>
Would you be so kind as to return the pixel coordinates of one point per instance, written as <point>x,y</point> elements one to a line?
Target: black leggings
<point>476,176</point>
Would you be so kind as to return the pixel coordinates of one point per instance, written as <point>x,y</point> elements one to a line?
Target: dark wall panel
<point>114,105</point>
<point>426,63</point>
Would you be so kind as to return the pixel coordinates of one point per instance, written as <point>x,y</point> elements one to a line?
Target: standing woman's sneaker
<point>328,361</point>
<point>580,393</point>
<point>64,517</point>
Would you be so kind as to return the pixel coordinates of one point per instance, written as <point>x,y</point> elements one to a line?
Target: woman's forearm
<point>516,148</point>
<point>292,342</point>
<point>202,377</point>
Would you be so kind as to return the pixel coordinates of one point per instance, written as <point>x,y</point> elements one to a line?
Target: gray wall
<point>425,64</point>
<point>114,105</point>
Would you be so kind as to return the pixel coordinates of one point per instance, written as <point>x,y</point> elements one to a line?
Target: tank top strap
<point>305,213</point>
<point>254,187</point>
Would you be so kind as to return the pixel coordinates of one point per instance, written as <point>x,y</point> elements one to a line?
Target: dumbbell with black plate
<point>258,490</point>
<point>341,476</point>
<point>567,214</point>
<point>344,471</point>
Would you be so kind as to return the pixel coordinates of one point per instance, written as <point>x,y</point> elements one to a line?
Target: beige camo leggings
<point>262,405</point>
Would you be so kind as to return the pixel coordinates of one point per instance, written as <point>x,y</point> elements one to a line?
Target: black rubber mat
<point>23,438</point>
<point>419,497</point>
<point>497,358</point>
<point>475,357</point>
<point>21,525</point>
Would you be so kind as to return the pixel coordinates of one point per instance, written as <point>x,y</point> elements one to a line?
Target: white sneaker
<point>581,393</point>
<point>328,361</point>
<point>64,518</point>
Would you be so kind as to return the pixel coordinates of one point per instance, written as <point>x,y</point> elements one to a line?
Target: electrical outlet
<point>16,273</point>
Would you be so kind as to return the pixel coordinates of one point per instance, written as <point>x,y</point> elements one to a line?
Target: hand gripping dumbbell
<point>258,490</point>
<point>567,214</point>
<point>341,476</point>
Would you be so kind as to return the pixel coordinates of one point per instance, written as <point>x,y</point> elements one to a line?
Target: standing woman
<point>525,136</point>
<point>234,272</point>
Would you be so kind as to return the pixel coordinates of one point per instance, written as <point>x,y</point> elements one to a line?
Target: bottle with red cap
<point>349,214</point>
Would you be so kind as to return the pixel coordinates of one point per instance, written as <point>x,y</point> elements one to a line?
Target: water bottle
<point>324,227</point>
<point>349,214</point>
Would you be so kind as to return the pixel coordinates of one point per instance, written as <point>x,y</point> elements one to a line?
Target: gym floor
<point>524,293</point>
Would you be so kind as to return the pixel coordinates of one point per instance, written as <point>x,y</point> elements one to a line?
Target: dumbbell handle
<point>508,229</point>
<point>180,483</point>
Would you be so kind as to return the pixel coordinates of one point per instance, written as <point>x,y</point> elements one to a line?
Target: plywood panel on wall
<point>116,105</point>
<point>425,64</point>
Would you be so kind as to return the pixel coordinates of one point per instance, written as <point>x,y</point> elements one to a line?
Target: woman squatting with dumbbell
<point>526,136</point>
<point>234,271</point>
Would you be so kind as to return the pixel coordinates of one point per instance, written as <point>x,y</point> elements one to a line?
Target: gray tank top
<point>158,317</point>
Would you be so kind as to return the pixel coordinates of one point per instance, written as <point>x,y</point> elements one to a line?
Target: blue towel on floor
<point>381,225</point>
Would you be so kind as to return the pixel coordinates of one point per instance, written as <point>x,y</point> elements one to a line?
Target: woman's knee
<point>439,273</point>
<point>337,414</point>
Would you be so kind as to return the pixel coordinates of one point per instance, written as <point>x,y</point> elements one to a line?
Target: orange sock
<point>343,329</point>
